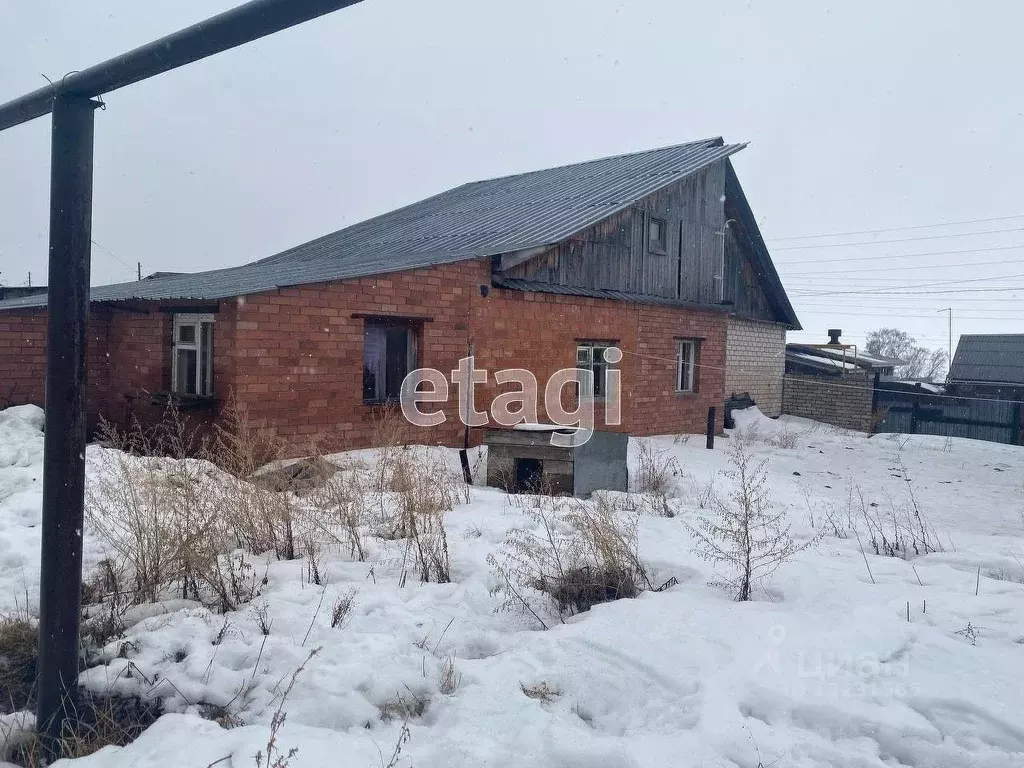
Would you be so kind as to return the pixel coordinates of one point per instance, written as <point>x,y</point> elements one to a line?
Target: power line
<point>898,292</point>
<point>897,240</point>
<point>898,229</point>
<point>890,313</point>
<point>955,282</point>
<point>897,268</point>
<point>114,256</point>
<point>891,256</point>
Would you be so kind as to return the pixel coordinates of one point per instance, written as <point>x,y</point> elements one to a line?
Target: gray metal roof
<point>989,358</point>
<point>479,219</point>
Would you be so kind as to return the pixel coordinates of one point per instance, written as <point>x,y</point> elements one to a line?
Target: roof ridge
<point>712,141</point>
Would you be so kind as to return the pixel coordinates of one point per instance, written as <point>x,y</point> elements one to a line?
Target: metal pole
<point>64,441</point>
<point>711,428</point>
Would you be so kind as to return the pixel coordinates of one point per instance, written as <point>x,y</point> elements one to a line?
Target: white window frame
<point>688,382</point>
<point>585,352</point>
<point>204,385</point>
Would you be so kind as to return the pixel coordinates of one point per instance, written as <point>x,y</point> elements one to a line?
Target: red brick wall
<point>128,358</point>
<point>298,352</point>
<point>22,358</point>
<point>293,358</point>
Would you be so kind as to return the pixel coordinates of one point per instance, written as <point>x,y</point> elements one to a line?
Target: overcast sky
<point>860,116</point>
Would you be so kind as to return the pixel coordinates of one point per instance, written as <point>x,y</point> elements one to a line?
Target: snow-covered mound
<point>844,657</point>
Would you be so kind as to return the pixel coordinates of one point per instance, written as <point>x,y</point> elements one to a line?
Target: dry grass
<point>422,488</point>
<point>541,692</point>
<point>19,654</point>
<point>403,708</point>
<point>343,505</point>
<point>342,608</point>
<point>448,678</point>
<point>573,556</point>
<point>94,722</point>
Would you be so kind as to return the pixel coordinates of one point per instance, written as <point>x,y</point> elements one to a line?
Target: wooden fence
<point>921,412</point>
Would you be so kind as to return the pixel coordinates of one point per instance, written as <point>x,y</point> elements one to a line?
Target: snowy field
<point>842,658</point>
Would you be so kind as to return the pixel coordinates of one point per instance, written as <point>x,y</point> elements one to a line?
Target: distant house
<point>835,383</point>
<point>989,365</point>
<point>657,253</point>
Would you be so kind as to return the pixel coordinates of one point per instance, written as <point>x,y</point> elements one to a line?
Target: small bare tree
<point>748,537</point>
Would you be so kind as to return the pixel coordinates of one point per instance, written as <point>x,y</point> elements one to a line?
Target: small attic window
<point>656,235</point>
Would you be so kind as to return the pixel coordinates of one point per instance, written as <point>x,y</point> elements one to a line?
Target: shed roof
<point>989,358</point>
<point>852,358</point>
<point>474,220</point>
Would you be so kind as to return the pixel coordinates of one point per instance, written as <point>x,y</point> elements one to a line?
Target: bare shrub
<point>657,470</point>
<point>785,438</point>
<point>828,519</point>
<point>345,505</point>
<point>342,608</point>
<point>104,603</point>
<point>747,536</point>
<point>160,517</point>
<point>262,518</point>
<point>706,494</point>
<point>274,757</point>
<point>429,488</point>
<point>389,434</point>
<point>574,556</point>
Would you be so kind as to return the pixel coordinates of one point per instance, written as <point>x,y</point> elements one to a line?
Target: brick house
<point>655,252</point>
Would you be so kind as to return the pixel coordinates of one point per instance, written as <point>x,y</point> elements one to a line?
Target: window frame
<point>203,346</point>
<point>414,333</point>
<point>659,245</point>
<point>589,347</point>
<point>690,386</point>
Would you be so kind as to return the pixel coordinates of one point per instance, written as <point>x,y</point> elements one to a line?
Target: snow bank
<point>823,669</point>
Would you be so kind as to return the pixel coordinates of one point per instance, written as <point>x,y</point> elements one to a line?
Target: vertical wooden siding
<point>614,254</point>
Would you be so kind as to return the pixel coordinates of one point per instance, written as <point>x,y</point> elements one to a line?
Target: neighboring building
<point>988,365</point>
<point>18,291</point>
<point>834,383</point>
<point>655,252</point>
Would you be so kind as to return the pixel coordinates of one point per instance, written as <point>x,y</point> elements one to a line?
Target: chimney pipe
<point>833,336</point>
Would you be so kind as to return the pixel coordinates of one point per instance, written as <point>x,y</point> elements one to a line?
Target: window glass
<point>590,357</point>
<point>186,372</point>
<point>686,366</point>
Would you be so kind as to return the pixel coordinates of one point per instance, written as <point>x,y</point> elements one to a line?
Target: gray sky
<point>861,116</point>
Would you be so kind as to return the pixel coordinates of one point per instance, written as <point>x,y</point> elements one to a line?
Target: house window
<point>590,357</point>
<point>192,355</point>
<point>686,366</point>
<point>657,232</point>
<point>389,353</point>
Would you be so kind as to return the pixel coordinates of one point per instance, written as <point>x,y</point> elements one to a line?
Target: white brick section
<point>755,360</point>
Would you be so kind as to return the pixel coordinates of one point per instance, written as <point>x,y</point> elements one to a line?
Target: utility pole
<point>950,310</point>
<point>30,278</point>
<point>139,270</point>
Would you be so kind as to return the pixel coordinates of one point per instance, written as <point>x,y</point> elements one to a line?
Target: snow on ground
<point>823,668</point>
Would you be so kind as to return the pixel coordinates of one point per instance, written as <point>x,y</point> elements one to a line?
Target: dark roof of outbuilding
<point>989,358</point>
<point>474,220</point>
